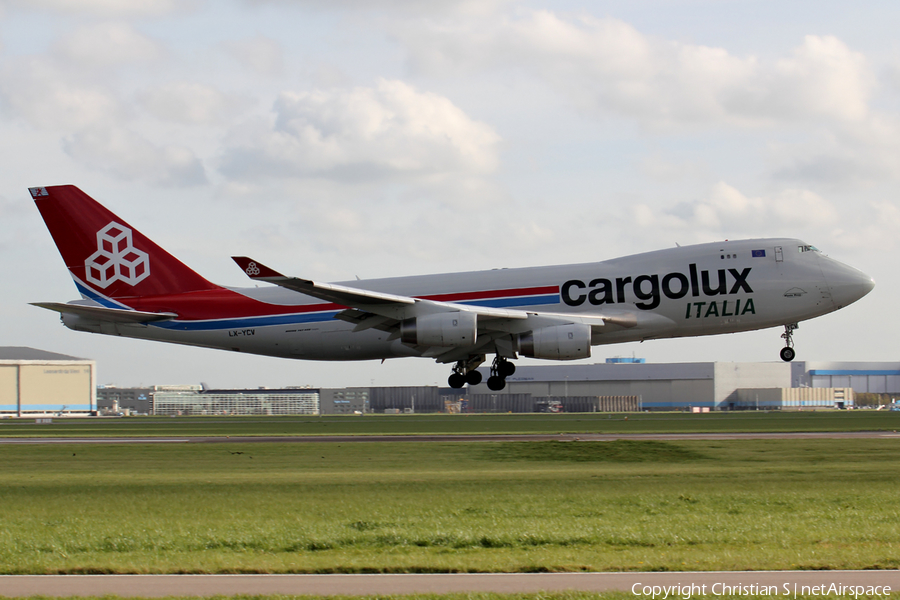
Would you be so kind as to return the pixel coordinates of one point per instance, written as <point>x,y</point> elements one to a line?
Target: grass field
<point>420,507</point>
<point>745,421</point>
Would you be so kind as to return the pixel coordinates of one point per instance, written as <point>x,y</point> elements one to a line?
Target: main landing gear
<point>787,353</point>
<point>465,372</point>
<point>500,370</point>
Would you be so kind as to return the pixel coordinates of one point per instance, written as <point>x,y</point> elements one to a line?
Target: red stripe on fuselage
<point>492,294</point>
<point>222,303</point>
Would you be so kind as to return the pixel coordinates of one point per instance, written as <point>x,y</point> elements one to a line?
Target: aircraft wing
<point>102,313</point>
<point>388,306</point>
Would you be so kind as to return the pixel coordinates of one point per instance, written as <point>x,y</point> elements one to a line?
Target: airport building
<point>290,401</point>
<point>713,386</point>
<point>36,382</point>
<point>113,400</point>
<point>344,401</point>
<point>869,378</point>
<point>620,385</point>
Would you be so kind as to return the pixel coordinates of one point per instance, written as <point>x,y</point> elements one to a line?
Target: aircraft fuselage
<point>705,289</point>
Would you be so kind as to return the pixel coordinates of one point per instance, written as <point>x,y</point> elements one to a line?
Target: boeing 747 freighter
<point>131,287</point>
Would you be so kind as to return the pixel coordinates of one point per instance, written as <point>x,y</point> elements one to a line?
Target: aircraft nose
<point>846,283</point>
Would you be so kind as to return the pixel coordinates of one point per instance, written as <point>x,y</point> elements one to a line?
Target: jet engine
<point>440,329</point>
<point>560,342</point>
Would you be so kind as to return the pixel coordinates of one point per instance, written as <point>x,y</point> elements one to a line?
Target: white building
<point>301,401</point>
<point>36,382</point>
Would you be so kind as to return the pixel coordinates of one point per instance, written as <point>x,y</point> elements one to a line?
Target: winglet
<point>255,269</point>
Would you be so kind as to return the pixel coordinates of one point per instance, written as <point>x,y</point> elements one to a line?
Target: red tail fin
<point>105,254</point>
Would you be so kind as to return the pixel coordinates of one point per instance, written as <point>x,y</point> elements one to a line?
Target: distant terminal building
<point>668,386</point>
<point>862,377</point>
<point>195,400</point>
<point>716,386</point>
<point>128,401</point>
<point>36,382</point>
<point>619,385</point>
<point>114,400</point>
<point>417,399</point>
<point>344,401</point>
<point>290,401</point>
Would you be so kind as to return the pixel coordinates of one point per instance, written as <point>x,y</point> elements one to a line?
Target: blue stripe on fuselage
<point>242,322</point>
<point>509,302</point>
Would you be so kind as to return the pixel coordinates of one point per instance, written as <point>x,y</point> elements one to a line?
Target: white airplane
<point>131,287</point>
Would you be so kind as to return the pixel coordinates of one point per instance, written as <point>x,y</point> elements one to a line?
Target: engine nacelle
<point>560,342</point>
<point>441,329</point>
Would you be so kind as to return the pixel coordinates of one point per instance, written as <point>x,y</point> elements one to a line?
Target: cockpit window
<point>808,249</point>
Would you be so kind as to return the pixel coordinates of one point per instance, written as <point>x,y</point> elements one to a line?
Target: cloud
<point>105,8</point>
<point>849,154</point>
<point>835,168</point>
<point>46,96</point>
<point>107,44</point>
<point>362,134</point>
<point>192,103</point>
<point>127,155</point>
<point>823,77</point>
<point>875,225</point>
<point>726,212</point>
<point>75,91</point>
<point>406,7</point>
<point>74,84</point>
<point>659,168</point>
<point>605,64</point>
<point>258,54</point>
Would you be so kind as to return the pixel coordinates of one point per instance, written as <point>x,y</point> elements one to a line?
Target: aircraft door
<point>779,254</point>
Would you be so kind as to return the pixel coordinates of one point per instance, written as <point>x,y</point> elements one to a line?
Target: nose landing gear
<point>787,353</point>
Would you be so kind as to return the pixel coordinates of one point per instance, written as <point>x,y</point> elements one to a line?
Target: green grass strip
<point>449,507</point>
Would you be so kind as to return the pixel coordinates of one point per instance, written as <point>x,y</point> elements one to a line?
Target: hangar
<point>36,382</point>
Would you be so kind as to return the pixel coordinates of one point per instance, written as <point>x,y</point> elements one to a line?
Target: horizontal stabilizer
<point>101,313</point>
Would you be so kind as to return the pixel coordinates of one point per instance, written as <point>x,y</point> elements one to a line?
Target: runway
<point>346,439</point>
<point>781,583</point>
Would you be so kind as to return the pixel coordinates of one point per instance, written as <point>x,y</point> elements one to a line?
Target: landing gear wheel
<point>787,354</point>
<point>506,369</point>
<point>464,371</point>
<point>496,383</point>
<point>456,380</point>
<point>500,370</point>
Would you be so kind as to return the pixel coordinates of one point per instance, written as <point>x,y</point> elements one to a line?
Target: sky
<point>376,138</point>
